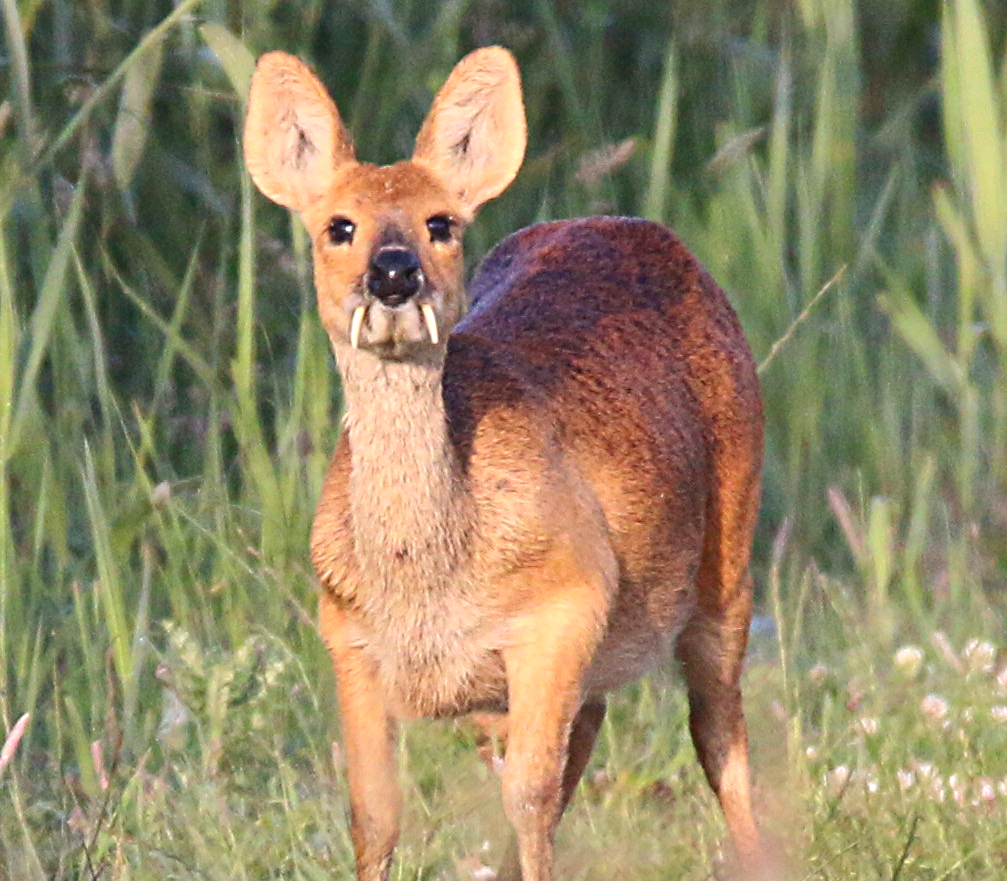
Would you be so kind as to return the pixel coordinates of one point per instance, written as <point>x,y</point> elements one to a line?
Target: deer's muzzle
<point>394,276</point>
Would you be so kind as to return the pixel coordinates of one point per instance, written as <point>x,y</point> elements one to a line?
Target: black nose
<point>394,275</point>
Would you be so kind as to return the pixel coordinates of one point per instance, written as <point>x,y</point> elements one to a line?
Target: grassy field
<point>168,403</point>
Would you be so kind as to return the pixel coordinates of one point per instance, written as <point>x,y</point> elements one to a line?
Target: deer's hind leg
<point>711,649</point>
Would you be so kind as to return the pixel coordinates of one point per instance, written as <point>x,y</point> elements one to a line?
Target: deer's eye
<point>441,228</point>
<point>340,230</point>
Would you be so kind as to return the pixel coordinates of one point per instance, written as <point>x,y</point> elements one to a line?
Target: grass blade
<point>132,123</point>
<point>50,299</point>
<point>110,583</point>
<point>237,62</point>
<point>663,148</point>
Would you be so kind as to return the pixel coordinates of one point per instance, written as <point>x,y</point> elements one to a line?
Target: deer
<point>546,484</point>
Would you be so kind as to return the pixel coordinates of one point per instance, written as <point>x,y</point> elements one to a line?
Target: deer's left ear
<point>294,138</point>
<point>474,138</point>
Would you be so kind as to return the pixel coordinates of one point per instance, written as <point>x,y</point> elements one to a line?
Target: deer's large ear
<point>473,139</point>
<point>294,138</point>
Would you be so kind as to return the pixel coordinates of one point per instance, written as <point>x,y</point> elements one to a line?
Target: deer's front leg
<point>546,663</point>
<point>369,736</point>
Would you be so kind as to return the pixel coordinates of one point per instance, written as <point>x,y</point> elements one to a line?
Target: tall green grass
<point>168,403</point>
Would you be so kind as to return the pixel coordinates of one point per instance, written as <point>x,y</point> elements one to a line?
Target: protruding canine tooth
<point>431,319</point>
<point>355,324</point>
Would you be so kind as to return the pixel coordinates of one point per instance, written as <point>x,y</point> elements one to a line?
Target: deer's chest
<point>435,656</point>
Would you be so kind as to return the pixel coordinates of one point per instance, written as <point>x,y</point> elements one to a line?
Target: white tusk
<point>431,319</point>
<point>355,324</point>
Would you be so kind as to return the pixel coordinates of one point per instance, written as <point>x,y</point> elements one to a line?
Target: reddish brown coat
<point>534,504</point>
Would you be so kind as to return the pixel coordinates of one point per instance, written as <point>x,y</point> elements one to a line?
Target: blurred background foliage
<point>167,400</point>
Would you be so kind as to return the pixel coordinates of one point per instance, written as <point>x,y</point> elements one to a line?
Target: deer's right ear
<point>294,138</point>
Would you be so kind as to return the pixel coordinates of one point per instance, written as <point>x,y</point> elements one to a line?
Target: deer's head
<point>387,239</point>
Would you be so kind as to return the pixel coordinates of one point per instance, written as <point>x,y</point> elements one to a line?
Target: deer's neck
<point>409,499</point>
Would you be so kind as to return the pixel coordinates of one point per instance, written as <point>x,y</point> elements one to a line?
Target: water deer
<point>536,497</point>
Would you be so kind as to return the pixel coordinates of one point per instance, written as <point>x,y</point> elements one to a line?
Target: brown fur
<point>540,507</point>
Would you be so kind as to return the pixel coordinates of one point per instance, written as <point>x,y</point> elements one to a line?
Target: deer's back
<point>568,292</point>
<point>620,328</point>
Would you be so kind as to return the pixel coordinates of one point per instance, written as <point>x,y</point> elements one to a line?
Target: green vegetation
<point>167,405</point>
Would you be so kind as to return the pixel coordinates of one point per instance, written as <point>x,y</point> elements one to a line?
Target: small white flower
<point>812,753</point>
<point>868,725</point>
<point>818,674</point>
<point>908,661</point>
<point>906,779</point>
<point>937,791</point>
<point>1002,680</point>
<point>957,789</point>
<point>838,778</point>
<point>934,707</point>
<point>999,713</point>
<point>979,655</point>
<point>985,791</point>
<point>160,493</point>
